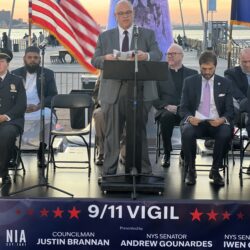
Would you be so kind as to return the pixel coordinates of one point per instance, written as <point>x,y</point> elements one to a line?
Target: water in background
<point>238,34</point>
<point>190,33</point>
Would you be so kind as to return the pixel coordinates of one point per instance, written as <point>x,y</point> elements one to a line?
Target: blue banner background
<point>43,224</point>
<point>240,13</point>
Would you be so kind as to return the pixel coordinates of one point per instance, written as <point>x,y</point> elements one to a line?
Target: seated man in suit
<point>31,73</point>
<point>206,110</point>
<point>169,98</point>
<point>240,78</point>
<point>12,109</point>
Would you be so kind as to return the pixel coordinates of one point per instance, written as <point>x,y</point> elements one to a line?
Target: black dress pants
<point>167,122</point>
<point>8,134</point>
<point>221,134</point>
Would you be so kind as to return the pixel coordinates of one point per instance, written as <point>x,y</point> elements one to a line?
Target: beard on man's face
<point>32,68</point>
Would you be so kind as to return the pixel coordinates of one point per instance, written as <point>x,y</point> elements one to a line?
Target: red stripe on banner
<point>75,29</point>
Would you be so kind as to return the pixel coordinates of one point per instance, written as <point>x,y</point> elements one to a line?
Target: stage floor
<point>76,181</point>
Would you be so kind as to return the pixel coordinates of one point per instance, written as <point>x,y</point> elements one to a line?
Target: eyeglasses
<point>127,13</point>
<point>173,54</point>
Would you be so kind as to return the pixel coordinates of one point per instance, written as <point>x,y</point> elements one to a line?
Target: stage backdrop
<point>93,224</point>
<point>152,14</point>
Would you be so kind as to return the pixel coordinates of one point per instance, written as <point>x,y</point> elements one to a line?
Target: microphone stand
<point>43,180</point>
<point>134,171</point>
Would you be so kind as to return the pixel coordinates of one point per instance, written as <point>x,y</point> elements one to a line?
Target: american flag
<point>71,24</point>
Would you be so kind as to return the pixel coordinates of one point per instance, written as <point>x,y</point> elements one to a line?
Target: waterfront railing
<point>221,49</point>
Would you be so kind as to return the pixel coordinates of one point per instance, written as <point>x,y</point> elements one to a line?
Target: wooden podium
<point>133,180</point>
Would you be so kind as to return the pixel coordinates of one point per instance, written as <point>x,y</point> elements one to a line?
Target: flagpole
<point>30,24</point>
<point>12,14</point>
<point>204,27</point>
<point>182,21</point>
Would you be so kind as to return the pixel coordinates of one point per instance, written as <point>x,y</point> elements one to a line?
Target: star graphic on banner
<point>226,215</point>
<point>30,212</point>
<point>74,213</point>
<point>18,211</point>
<point>212,215</point>
<point>44,212</point>
<point>58,212</point>
<point>196,215</point>
<point>240,216</point>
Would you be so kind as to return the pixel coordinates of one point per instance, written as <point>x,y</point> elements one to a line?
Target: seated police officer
<point>12,109</point>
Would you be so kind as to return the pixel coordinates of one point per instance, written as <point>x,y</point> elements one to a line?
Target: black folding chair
<point>244,143</point>
<point>84,105</point>
<point>16,162</point>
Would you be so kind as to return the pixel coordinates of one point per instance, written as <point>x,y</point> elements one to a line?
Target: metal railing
<point>68,81</point>
<point>221,49</point>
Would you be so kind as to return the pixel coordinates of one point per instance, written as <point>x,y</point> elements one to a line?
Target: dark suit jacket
<point>191,94</point>
<point>50,88</point>
<point>167,91</point>
<point>13,100</point>
<point>239,82</point>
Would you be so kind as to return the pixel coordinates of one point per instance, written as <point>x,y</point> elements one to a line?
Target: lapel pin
<point>219,83</point>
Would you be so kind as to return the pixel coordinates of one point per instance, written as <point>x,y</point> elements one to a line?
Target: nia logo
<point>15,237</point>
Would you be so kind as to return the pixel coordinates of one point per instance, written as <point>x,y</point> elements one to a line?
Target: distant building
<point>5,16</point>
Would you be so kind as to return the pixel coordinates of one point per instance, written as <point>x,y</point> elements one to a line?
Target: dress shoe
<point>15,160</point>
<point>165,162</point>
<point>181,160</point>
<point>191,177</point>
<point>209,144</point>
<point>216,177</point>
<point>248,170</point>
<point>99,160</point>
<point>6,179</point>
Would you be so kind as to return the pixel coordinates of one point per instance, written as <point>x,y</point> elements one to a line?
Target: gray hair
<point>244,51</point>
<point>124,1</point>
<point>176,46</point>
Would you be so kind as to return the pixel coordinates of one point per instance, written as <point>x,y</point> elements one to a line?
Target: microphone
<point>43,44</point>
<point>136,30</point>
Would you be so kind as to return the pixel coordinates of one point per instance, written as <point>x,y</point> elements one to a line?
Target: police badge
<point>13,88</point>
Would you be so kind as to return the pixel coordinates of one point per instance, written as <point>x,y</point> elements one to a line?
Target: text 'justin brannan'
<point>72,242</point>
<point>133,212</point>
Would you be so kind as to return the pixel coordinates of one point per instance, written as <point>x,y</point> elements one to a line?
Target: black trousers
<point>221,134</point>
<point>8,134</point>
<point>167,122</point>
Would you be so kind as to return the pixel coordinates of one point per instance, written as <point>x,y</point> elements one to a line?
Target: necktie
<point>205,107</point>
<point>125,41</point>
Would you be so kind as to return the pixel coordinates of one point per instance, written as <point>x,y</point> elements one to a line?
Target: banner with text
<point>108,224</point>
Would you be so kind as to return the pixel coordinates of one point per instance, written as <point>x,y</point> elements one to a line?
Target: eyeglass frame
<point>174,53</point>
<point>126,13</point>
